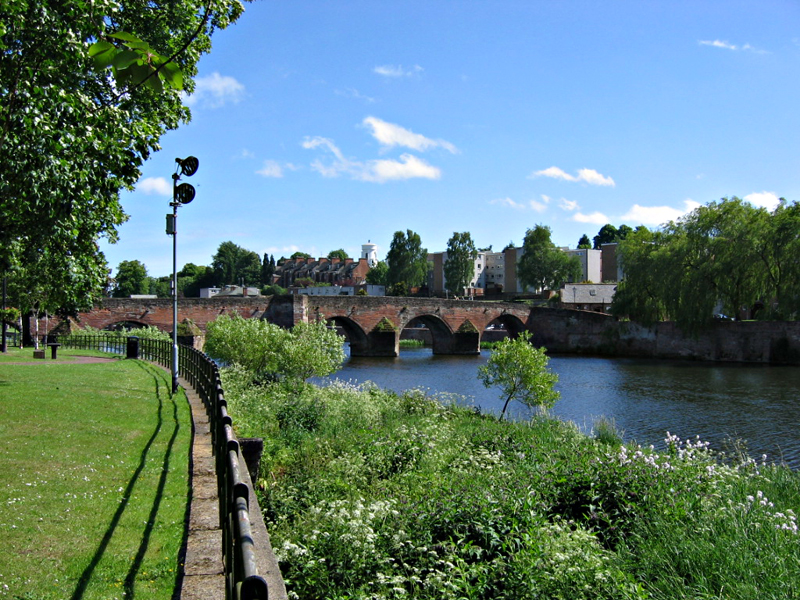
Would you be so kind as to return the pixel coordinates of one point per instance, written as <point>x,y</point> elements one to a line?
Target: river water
<point>646,398</point>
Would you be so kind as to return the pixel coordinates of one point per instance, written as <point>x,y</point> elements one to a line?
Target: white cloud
<point>537,206</point>
<point>768,200</point>
<point>397,71</point>
<point>391,135</point>
<point>553,173</point>
<point>271,169</point>
<point>339,165</point>
<point>534,205</point>
<point>214,91</point>
<point>728,46</point>
<point>568,205</point>
<point>592,177</point>
<point>408,167</point>
<point>155,185</point>
<point>245,153</point>
<point>589,176</point>
<point>657,215</point>
<point>507,202</point>
<point>596,218</point>
<point>355,94</point>
<point>718,44</point>
<point>378,171</point>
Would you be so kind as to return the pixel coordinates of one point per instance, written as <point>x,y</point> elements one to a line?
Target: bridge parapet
<point>372,324</point>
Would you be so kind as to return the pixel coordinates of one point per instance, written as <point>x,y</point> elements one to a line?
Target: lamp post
<point>181,194</point>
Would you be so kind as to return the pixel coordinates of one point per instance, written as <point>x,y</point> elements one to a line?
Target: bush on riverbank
<point>371,494</point>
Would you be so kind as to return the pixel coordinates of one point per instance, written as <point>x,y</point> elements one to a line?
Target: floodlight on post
<point>181,194</point>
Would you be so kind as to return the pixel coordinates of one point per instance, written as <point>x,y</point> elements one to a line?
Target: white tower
<point>370,252</point>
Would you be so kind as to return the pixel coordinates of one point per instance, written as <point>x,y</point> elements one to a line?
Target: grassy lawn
<point>93,484</point>
<point>65,355</point>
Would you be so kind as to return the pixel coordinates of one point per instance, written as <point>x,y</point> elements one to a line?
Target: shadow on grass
<point>86,576</point>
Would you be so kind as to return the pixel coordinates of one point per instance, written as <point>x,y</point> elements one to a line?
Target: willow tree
<point>87,88</point>
<point>725,257</point>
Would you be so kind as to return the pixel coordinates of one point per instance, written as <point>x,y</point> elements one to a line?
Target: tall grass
<point>372,494</point>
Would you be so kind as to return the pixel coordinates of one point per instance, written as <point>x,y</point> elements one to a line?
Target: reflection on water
<point>646,398</point>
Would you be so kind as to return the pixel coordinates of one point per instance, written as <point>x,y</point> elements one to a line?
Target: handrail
<point>242,581</point>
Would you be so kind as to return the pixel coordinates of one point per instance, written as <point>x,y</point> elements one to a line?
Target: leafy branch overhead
<point>87,89</point>
<point>135,62</point>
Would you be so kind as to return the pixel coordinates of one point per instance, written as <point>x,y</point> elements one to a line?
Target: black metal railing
<point>199,371</point>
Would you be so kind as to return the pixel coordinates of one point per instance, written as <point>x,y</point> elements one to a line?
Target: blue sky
<point>322,125</point>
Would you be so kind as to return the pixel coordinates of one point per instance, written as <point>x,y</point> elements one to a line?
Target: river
<point>646,398</point>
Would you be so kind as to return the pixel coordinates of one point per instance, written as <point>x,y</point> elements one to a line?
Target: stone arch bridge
<point>373,324</point>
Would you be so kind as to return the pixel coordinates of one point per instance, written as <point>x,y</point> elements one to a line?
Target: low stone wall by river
<point>766,342</point>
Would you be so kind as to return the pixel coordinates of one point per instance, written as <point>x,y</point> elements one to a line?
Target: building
<point>235,291</point>
<point>338,290</point>
<point>612,266</point>
<point>370,252</point>
<point>322,270</point>
<point>209,292</point>
<point>591,264</point>
<point>588,296</point>
<point>483,277</point>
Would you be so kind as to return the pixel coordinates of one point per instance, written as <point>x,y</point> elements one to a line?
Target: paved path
<point>203,577</point>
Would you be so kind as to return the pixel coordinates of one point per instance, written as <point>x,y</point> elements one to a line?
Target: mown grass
<point>94,486</point>
<point>371,494</point>
<point>65,355</point>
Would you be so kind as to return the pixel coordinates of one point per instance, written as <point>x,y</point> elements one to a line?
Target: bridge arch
<point>355,334</point>
<point>441,334</point>
<point>511,324</point>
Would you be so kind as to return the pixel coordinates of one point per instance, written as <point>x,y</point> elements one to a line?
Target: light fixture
<point>181,194</point>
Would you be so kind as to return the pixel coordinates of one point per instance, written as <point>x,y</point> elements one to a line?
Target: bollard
<point>133,347</point>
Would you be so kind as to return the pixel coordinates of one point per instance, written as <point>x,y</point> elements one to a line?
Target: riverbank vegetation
<point>372,494</point>
<point>93,489</point>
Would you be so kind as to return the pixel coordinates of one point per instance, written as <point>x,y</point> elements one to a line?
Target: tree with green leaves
<point>779,249</point>
<point>340,254</point>
<point>234,265</point>
<point>584,243</point>
<point>641,295</point>
<point>407,260</point>
<point>378,275</point>
<point>131,279</point>
<point>725,257</point>
<point>520,370</point>
<point>459,268</point>
<point>86,91</point>
<point>267,270</point>
<point>298,254</point>
<point>271,353</point>
<point>543,266</point>
<point>606,235</point>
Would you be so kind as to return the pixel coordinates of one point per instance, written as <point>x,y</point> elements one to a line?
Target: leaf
<point>124,36</point>
<point>154,83</point>
<point>125,59</point>
<point>172,75</point>
<point>102,53</point>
